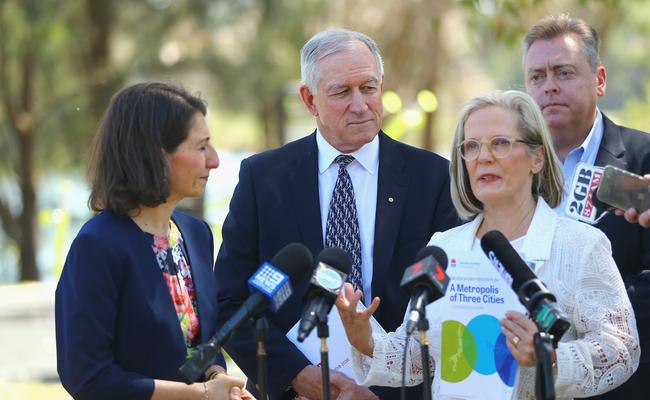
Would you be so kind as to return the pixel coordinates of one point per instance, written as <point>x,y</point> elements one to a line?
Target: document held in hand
<point>337,343</point>
<point>475,361</point>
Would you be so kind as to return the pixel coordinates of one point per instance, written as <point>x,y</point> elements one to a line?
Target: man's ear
<point>308,98</point>
<point>601,76</point>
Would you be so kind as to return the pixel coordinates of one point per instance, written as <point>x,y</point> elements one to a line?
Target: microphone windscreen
<point>335,258</point>
<point>437,253</point>
<point>497,243</point>
<point>295,260</point>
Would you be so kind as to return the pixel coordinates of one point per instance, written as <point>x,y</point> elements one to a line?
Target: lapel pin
<point>391,200</point>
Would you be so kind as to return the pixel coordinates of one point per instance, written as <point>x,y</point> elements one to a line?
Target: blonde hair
<point>547,183</point>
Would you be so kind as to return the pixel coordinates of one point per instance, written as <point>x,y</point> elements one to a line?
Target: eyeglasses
<point>499,146</point>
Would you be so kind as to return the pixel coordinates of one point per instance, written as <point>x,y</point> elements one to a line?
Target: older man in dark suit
<point>564,74</point>
<point>347,185</point>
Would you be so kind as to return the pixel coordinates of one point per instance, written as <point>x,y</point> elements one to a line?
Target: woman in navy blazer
<point>137,292</point>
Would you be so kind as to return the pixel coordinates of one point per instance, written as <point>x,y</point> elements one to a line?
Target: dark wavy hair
<point>143,122</point>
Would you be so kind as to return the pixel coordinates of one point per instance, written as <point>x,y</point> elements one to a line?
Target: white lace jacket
<point>600,350</point>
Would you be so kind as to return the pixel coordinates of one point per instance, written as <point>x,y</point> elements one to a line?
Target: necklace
<point>513,234</point>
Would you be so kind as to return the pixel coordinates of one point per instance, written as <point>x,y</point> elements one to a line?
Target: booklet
<point>337,343</point>
<point>475,360</point>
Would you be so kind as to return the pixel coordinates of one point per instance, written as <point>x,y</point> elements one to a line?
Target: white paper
<point>337,343</point>
<point>475,360</point>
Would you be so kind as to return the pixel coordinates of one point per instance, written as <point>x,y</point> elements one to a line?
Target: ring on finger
<point>515,340</point>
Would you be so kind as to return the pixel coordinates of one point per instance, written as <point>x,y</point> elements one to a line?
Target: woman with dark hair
<point>137,292</point>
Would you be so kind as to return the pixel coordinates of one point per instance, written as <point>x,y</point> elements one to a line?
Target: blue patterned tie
<point>342,228</point>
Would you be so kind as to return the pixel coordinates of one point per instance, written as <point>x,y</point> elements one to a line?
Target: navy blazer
<point>629,149</point>
<point>276,202</point>
<point>116,326</point>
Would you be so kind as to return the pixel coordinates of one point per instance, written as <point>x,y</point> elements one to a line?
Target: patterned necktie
<point>342,228</point>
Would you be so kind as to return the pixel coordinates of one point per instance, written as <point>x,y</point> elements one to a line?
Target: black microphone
<point>270,286</point>
<point>537,299</point>
<point>332,268</point>
<point>426,280</point>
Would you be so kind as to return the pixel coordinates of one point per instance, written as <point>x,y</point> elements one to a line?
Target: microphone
<point>537,299</point>
<point>581,203</point>
<point>426,280</point>
<point>332,268</point>
<point>270,286</point>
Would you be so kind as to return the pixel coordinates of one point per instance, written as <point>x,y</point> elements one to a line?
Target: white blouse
<point>599,352</point>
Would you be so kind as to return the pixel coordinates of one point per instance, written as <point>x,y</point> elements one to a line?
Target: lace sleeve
<point>606,351</point>
<point>385,366</point>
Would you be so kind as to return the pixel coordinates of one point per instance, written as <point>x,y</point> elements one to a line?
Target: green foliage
<point>635,111</point>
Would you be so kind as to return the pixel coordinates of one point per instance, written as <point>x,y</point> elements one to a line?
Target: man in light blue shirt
<point>583,154</point>
<point>564,74</point>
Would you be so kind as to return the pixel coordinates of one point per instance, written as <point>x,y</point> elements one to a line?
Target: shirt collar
<point>537,242</point>
<point>367,155</point>
<point>592,142</point>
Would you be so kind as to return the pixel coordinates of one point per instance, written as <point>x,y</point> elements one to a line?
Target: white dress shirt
<point>363,172</point>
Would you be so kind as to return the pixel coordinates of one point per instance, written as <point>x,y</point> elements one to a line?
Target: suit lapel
<point>611,149</point>
<point>392,188</point>
<point>303,189</point>
<point>154,287</point>
<point>610,152</point>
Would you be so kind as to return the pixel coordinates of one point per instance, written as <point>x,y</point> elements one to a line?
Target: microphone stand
<point>423,328</point>
<point>261,335</point>
<point>323,334</point>
<point>544,386</point>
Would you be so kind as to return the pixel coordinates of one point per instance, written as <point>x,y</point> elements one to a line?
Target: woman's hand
<point>356,324</point>
<point>245,395</point>
<point>519,331</point>
<point>222,387</point>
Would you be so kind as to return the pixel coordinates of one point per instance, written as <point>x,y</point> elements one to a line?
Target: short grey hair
<point>555,26</point>
<point>547,183</point>
<point>329,42</point>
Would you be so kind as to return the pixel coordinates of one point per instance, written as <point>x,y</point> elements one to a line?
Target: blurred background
<point>61,61</point>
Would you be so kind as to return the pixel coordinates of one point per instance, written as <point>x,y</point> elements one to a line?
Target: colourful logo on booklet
<point>480,346</point>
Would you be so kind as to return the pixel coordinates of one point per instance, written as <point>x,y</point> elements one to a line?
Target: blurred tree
<point>61,61</point>
<point>256,58</point>
<point>41,52</point>
<point>411,38</point>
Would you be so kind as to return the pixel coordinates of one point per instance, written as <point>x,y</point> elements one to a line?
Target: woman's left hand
<point>519,331</point>
<point>246,395</point>
<point>223,386</point>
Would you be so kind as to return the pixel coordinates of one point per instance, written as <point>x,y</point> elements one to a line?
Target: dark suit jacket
<point>276,202</point>
<point>629,149</point>
<point>116,327</point>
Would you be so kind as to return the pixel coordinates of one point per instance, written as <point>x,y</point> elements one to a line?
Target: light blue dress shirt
<point>585,153</point>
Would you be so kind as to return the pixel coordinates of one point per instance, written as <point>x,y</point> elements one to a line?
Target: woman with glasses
<point>137,292</point>
<point>505,176</point>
